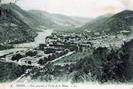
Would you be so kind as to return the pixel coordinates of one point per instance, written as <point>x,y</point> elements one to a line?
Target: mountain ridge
<point>58,19</point>
<point>12,28</point>
<point>111,24</point>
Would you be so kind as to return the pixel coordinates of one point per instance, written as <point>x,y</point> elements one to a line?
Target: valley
<point>38,46</point>
<point>58,50</point>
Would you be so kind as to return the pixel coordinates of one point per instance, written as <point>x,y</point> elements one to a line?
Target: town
<point>59,46</point>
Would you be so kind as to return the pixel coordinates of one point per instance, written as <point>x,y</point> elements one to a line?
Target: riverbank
<point>25,46</point>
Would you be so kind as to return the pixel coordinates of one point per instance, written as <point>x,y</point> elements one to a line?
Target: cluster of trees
<point>107,65</point>
<point>51,73</point>
<point>51,57</point>
<point>31,53</point>
<point>18,56</point>
<point>10,71</point>
<point>3,47</point>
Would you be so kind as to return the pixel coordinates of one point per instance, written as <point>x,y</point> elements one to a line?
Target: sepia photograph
<point>66,44</point>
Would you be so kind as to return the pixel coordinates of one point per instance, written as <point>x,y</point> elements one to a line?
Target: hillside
<point>95,24</point>
<point>113,24</point>
<point>120,21</point>
<point>13,27</point>
<point>10,71</point>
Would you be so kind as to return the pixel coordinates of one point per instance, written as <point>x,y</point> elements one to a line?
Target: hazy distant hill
<point>113,24</point>
<point>13,25</point>
<point>53,20</point>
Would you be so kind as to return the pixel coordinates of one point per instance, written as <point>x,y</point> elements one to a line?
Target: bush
<point>11,71</point>
<point>31,53</point>
<point>16,57</point>
<point>43,61</point>
<point>29,62</point>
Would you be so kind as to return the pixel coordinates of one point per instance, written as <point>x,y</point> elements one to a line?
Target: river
<point>25,46</point>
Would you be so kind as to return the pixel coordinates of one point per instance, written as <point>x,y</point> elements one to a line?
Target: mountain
<point>95,24</point>
<point>37,19</point>
<point>13,26</point>
<point>119,22</point>
<point>112,24</point>
<point>23,15</point>
<point>54,20</point>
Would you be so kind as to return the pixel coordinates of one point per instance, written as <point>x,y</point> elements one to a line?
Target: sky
<point>82,8</point>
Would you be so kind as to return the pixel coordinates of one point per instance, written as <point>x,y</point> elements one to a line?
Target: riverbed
<point>25,46</point>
